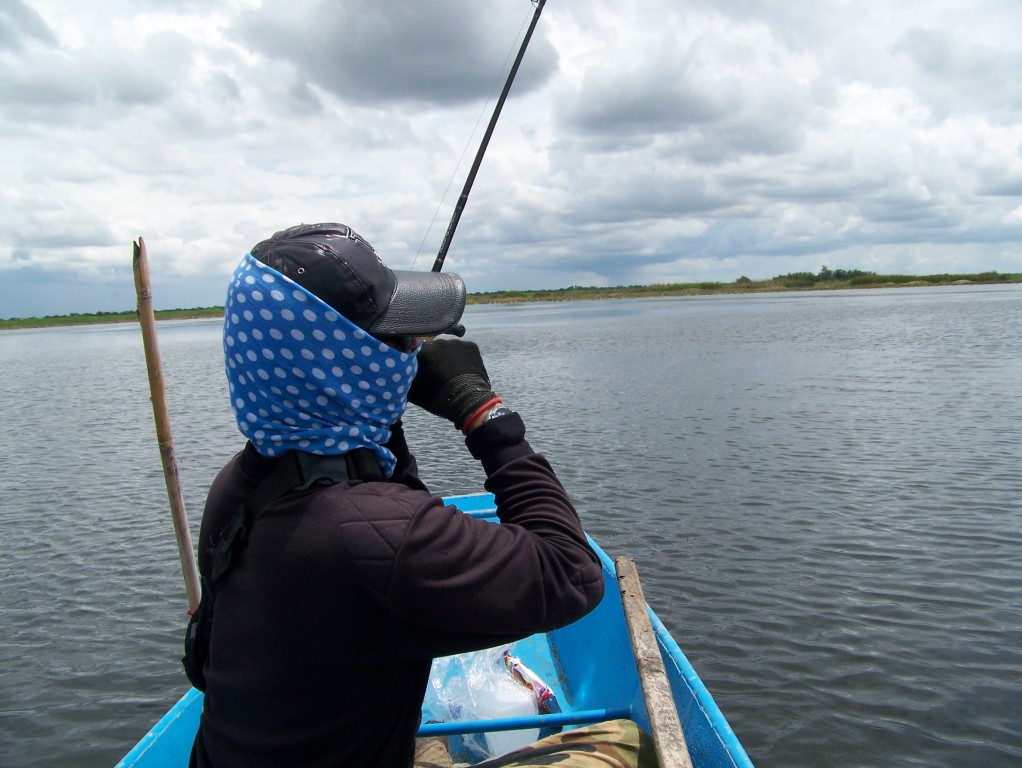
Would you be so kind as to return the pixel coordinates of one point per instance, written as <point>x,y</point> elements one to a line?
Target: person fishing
<point>331,576</point>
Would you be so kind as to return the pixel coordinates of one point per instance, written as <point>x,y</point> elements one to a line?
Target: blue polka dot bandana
<point>303,377</point>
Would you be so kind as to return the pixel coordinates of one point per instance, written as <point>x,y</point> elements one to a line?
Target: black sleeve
<point>498,441</point>
<point>463,581</point>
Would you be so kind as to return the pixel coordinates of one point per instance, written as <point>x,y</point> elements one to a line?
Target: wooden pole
<point>147,319</point>
<point>665,727</point>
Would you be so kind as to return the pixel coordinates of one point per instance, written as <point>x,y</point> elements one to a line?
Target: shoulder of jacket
<point>386,507</point>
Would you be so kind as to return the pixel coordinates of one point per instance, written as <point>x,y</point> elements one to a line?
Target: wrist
<point>484,414</point>
<point>501,441</point>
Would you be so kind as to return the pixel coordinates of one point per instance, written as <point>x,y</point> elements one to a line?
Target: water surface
<point>821,491</point>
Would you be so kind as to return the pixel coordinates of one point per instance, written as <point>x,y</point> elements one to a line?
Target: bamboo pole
<point>665,726</point>
<point>164,436</point>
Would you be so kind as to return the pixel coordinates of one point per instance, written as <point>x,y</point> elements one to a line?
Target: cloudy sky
<point>644,142</point>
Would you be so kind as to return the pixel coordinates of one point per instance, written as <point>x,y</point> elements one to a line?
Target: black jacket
<point>327,623</point>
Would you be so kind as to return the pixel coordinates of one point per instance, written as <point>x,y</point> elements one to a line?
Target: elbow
<point>594,590</point>
<point>586,593</point>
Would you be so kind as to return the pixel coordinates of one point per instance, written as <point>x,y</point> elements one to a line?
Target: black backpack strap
<point>295,470</point>
<point>285,475</point>
<point>363,466</point>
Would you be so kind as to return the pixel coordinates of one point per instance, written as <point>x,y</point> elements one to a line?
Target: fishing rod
<point>460,207</point>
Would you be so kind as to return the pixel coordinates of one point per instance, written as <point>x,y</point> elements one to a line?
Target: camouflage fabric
<point>613,744</point>
<point>432,752</point>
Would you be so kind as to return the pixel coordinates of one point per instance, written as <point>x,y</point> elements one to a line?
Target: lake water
<point>822,492</point>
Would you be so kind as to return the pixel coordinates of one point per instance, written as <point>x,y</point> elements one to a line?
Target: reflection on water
<point>821,491</point>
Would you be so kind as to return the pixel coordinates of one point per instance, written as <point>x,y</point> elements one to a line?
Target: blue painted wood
<point>588,664</point>
<point>581,717</point>
<point>170,741</point>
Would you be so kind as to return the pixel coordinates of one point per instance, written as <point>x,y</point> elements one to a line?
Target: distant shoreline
<point>740,286</point>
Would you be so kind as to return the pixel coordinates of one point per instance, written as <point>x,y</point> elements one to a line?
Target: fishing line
<point>493,88</point>
<point>464,151</point>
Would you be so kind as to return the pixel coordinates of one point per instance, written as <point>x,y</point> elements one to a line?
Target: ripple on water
<point>821,492</point>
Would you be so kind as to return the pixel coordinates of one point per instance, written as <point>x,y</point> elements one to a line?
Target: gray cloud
<point>379,52</point>
<point>686,142</point>
<point>21,25</point>
<point>962,76</point>
<point>44,83</point>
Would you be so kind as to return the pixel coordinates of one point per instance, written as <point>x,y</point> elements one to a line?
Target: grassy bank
<point>95,318</point>
<point>825,280</point>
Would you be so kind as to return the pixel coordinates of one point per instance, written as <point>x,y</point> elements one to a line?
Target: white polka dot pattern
<point>303,377</point>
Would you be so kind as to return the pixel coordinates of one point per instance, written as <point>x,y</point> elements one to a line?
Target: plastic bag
<point>479,686</point>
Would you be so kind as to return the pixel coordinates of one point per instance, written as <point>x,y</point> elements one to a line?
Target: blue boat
<point>589,665</point>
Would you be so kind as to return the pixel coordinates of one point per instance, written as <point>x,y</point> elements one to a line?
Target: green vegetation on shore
<point>825,280</point>
<point>94,318</point>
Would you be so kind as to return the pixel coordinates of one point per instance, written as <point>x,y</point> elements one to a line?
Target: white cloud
<point>644,142</point>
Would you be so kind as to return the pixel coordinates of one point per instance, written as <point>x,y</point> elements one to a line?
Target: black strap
<point>295,470</point>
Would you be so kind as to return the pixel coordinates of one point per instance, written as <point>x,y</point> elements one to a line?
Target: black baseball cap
<point>341,268</point>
